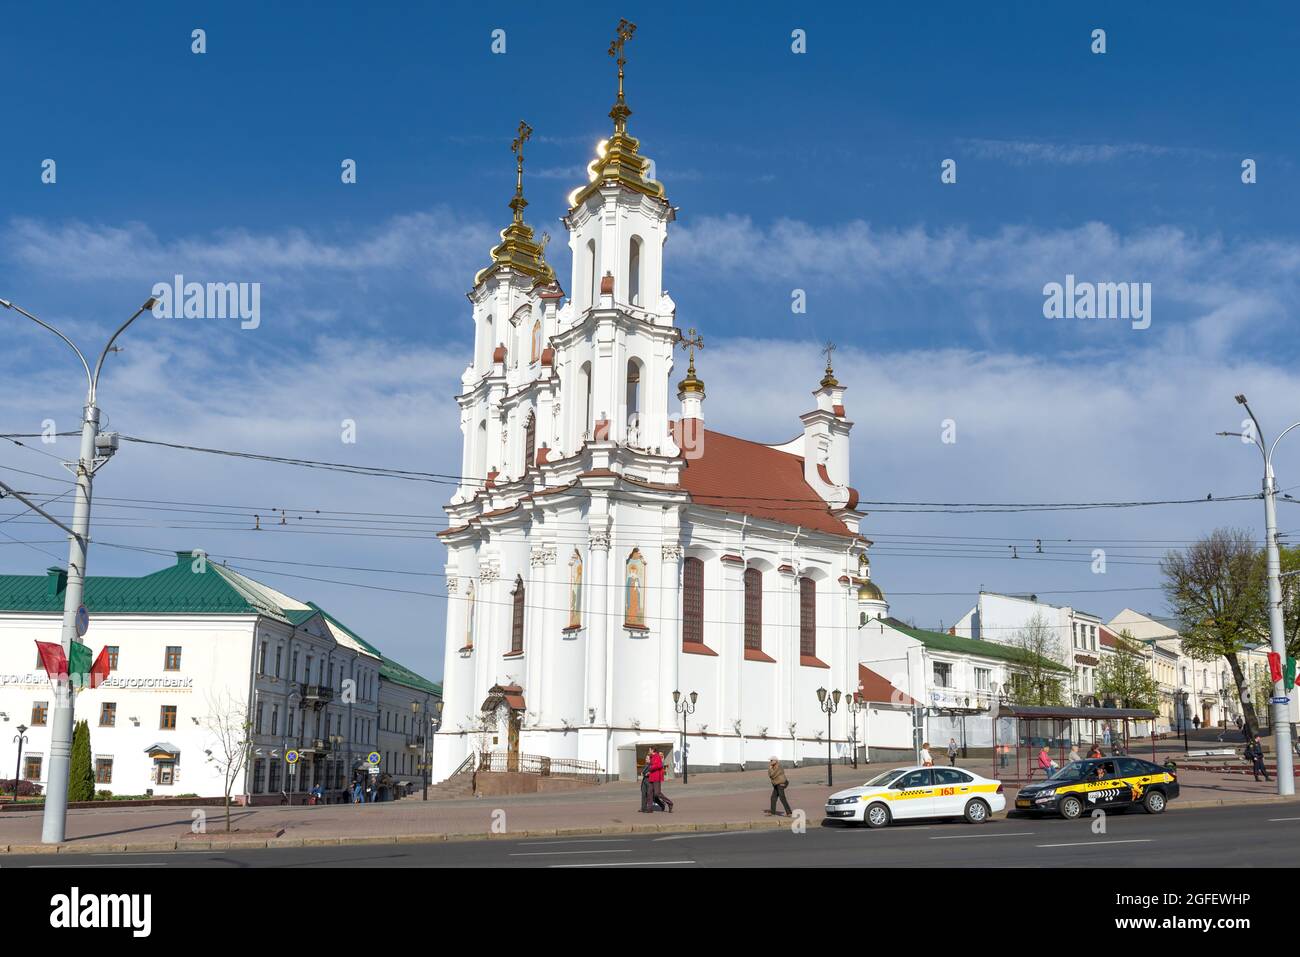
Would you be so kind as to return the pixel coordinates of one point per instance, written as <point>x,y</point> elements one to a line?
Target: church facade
<point>605,549</point>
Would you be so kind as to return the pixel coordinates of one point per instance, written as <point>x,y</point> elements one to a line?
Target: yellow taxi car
<point>1112,784</point>
<point>918,792</point>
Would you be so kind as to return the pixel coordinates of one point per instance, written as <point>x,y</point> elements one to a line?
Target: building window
<point>807,617</point>
<point>275,776</point>
<point>172,661</point>
<point>275,719</point>
<point>258,777</point>
<point>40,713</point>
<point>693,602</point>
<point>167,717</point>
<point>530,442</point>
<point>943,674</point>
<point>261,660</point>
<point>108,714</point>
<point>279,655</point>
<point>753,609</point>
<point>257,719</point>
<point>103,770</point>
<point>112,657</point>
<point>982,679</point>
<point>634,271</point>
<point>517,617</point>
<point>32,767</point>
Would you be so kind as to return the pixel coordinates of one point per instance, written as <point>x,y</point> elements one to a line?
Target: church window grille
<point>693,602</point>
<point>753,609</point>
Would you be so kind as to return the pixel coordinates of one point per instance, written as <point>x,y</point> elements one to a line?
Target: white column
<point>541,625</point>
<point>598,627</point>
<point>670,631</point>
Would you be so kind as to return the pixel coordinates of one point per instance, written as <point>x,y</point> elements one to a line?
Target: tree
<point>81,776</point>
<point>1126,676</point>
<point>1218,589</point>
<point>228,724</point>
<point>1290,600</point>
<point>1036,679</point>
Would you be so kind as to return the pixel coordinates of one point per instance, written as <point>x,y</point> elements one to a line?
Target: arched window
<point>753,609</point>
<point>592,273</point>
<point>480,451</point>
<point>807,618</point>
<point>517,618</point>
<point>633,402</point>
<point>530,442</point>
<point>634,271</point>
<point>584,387</point>
<point>693,602</point>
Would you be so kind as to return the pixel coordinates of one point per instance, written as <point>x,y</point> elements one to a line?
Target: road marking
<point>967,837</point>
<point>614,850</point>
<point>680,837</point>
<point>607,840</point>
<point>1271,819</point>
<point>1141,840</point>
<point>625,864</point>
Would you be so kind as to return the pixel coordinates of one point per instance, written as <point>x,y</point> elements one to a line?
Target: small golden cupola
<point>518,250</point>
<point>692,384</point>
<point>617,158</point>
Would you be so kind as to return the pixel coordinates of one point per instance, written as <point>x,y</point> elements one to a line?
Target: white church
<point>607,553</point>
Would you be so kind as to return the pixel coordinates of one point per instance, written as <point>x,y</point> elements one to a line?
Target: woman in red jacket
<point>657,780</point>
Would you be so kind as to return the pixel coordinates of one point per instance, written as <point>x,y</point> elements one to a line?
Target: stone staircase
<point>459,785</point>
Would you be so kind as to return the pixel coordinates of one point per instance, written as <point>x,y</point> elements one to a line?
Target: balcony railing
<point>317,694</point>
<point>537,764</point>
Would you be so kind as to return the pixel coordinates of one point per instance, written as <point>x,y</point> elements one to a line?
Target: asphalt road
<point>1247,836</point>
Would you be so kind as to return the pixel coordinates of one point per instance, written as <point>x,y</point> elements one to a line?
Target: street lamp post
<point>435,723</point>
<point>1277,636</point>
<point>854,707</point>
<point>685,705</point>
<point>92,455</point>
<point>830,704</point>
<point>20,737</point>
<point>1184,696</point>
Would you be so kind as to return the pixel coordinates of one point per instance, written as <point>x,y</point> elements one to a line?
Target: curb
<point>442,837</point>
<point>434,838</point>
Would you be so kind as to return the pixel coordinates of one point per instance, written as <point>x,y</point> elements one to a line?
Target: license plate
<point>1024,803</point>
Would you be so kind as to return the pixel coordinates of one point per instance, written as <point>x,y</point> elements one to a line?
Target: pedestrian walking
<point>1196,722</point>
<point>927,759</point>
<point>657,780</point>
<point>646,805</point>
<point>952,752</point>
<point>776,774</point>
<point>1255,754</point>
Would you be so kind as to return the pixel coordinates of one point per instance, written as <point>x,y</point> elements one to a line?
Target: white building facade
<point>605,549</point>
<point>192,648</point>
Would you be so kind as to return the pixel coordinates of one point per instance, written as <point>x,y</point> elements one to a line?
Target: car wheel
<point>1070,807</point>
<point>877,816</point>
<point>977,812</point>
<point>1154,802</point>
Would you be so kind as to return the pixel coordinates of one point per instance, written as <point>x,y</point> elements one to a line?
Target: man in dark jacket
<point>1255,754</point>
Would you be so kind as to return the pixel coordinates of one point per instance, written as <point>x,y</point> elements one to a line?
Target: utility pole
<point>1277,635</point>
<point>89,459</point>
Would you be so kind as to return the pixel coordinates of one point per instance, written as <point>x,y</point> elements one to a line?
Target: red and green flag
<point>77,665</point>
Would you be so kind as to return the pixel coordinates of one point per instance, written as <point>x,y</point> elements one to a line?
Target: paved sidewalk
<point>711,801</point>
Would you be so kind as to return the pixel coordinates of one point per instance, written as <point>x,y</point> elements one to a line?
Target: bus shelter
<point>1020,732</point>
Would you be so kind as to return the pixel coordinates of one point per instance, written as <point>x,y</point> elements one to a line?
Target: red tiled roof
<point>1108,637</point>
<point>874,687</point>
<point>737,475</point>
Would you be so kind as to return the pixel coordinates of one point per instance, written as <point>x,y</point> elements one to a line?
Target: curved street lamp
<point>1277,635</point>
<point>91,457</point>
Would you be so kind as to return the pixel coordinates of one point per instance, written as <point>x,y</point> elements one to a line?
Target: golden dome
<point>868,591</point>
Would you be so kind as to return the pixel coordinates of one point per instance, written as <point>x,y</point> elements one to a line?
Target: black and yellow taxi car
<point>1112,784</point>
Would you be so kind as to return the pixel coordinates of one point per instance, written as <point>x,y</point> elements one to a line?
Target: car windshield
<point>880,780</point>
<point>1074,771</point>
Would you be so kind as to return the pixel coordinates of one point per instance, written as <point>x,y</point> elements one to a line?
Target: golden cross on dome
<point>828,379</point>
<point>692,341</point>
<point>517,147</point>
<point>622,33</point>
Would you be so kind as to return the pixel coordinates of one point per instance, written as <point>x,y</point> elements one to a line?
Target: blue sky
<point>817,171</point>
